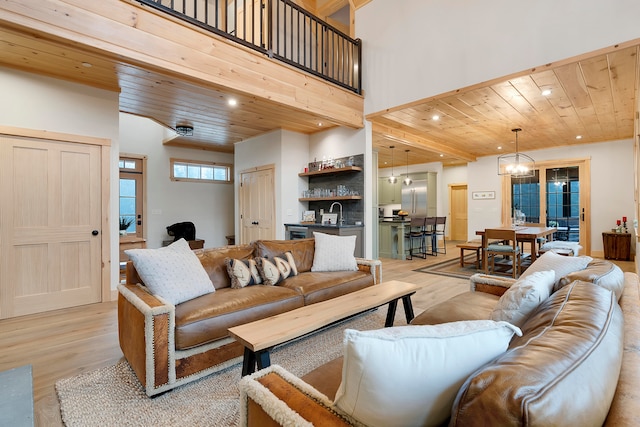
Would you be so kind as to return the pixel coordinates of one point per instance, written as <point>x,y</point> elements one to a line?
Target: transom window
<point>198,171</point>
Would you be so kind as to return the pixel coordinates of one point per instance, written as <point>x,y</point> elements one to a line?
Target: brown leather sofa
<point>577,362</point>
<point>168,345</point>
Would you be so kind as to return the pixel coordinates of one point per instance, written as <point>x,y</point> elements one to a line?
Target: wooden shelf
<point>330,171</point>
<point>314,199</point>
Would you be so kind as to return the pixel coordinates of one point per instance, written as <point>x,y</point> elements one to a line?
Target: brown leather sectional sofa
<point>168,345</point>
<point>577,362</point>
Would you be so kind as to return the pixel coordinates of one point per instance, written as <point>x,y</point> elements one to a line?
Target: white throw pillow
<point>410,375</point>
<point>561,265</point>
<point>174,272</point>
<point>518,302</point>
<point>561,244</point>
<point>334,253</point>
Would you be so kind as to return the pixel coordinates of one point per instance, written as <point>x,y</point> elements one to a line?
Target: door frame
<point>584,167</point>
<point>105,173</point>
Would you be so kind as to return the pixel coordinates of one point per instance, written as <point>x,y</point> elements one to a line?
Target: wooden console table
<point>617,245</point>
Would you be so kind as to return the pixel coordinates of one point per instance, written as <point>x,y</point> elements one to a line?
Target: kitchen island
<point>391,238</point>
<point>303,230</point>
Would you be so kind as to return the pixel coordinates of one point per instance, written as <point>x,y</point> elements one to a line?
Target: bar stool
<point>416,234</point>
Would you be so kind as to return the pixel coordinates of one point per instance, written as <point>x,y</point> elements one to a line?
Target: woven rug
<point>112,396</point>
<point>451,268</point>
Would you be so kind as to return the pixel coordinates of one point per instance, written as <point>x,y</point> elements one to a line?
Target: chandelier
<point>518,165</point>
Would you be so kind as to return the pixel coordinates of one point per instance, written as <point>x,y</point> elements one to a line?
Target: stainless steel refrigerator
<point>419,198</point>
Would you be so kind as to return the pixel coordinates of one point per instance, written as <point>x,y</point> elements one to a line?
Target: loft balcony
<point>277,28</point>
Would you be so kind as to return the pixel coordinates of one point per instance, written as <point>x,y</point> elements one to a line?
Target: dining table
<point>524,234</point>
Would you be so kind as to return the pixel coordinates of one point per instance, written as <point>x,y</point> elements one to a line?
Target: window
<point>131,195</point>
<point>525,197</point>
<point>188,170</point>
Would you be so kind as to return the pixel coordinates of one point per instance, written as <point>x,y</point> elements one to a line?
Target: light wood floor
<point>64,343</point>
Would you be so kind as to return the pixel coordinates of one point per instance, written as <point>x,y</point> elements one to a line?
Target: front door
<point>50,225</point>
<point>257,204</point>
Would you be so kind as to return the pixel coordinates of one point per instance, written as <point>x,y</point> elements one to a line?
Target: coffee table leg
<point>408,308</point>
<point>248,362</point>
<point>391,313</point>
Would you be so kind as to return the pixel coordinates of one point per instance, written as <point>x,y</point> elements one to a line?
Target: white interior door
<point>50,225</point>
<point>257,205</point>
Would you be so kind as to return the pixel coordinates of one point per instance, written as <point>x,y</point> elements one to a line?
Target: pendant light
<point>407,180</point>
<point>392,178</point>
<point>517,165</point>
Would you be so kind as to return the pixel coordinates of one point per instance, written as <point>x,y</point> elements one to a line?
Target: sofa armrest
<point>146,326</point>
<point>490,284</point>
<point>275,397</point>
<point>371,266</point>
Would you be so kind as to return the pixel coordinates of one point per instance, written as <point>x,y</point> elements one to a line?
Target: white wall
<point>209,206</point>
<point>34,102</point>
<point>413,49</point>
<point>611,192</point>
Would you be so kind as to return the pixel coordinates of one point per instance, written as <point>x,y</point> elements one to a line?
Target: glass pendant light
<point>392,178</point>
<point>407,180</point>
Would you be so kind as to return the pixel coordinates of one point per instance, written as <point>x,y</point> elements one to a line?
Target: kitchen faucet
<point>331,210</point>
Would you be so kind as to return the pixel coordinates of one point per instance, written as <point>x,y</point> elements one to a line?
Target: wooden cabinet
<point>617,246</point>
<point>389,193</point>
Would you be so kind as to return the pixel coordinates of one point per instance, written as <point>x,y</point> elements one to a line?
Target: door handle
<point>254,222</point>
<point>95,232</point>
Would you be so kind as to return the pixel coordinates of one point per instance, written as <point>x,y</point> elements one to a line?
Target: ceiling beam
<point>420,142</point>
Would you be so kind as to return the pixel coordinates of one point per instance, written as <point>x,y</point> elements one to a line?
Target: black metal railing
<point>280,29</point>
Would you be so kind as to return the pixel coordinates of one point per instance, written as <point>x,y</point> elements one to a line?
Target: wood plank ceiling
<point>593,97</point>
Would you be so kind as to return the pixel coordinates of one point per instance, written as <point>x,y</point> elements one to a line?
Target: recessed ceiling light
<point>435,117</point>
<point>500,147</point>
<point>441,155</point>
<point>546,92</point>
<point>87,64</point>
<point>233,102</point>
<point>578,136</point>
<point>320,124</point>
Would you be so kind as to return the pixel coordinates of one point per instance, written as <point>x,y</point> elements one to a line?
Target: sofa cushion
<point>409,375</point>
<point>321,286</point>
<point>600,272</point>
<point>523,297</point>
<point>172,272</point>
<point>561,265</point>
<point>334,253</point>
<point>301,249</point>
<point>242,272</point>
<point>207,318</point>
<point>465,306</point>
<point>212,259</point>
<point>565,367</point>
<point>276,269</point>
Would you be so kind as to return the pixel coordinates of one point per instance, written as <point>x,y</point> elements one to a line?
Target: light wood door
<point>257,205</point>
<point>459,215</point>
<point>50,225</point>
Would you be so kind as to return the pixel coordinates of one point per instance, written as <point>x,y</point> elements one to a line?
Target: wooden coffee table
<point>261,336</point>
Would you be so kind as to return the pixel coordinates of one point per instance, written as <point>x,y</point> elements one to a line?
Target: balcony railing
<point>280,29</point>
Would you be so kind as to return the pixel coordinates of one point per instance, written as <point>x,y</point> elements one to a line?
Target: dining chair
<point>502,242</point>
<point>540,240</point>
<point>440,229</point>
<point>416,234</point>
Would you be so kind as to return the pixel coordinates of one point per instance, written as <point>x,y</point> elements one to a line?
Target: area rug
<point>112,396</point>
<point>451,268</point>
